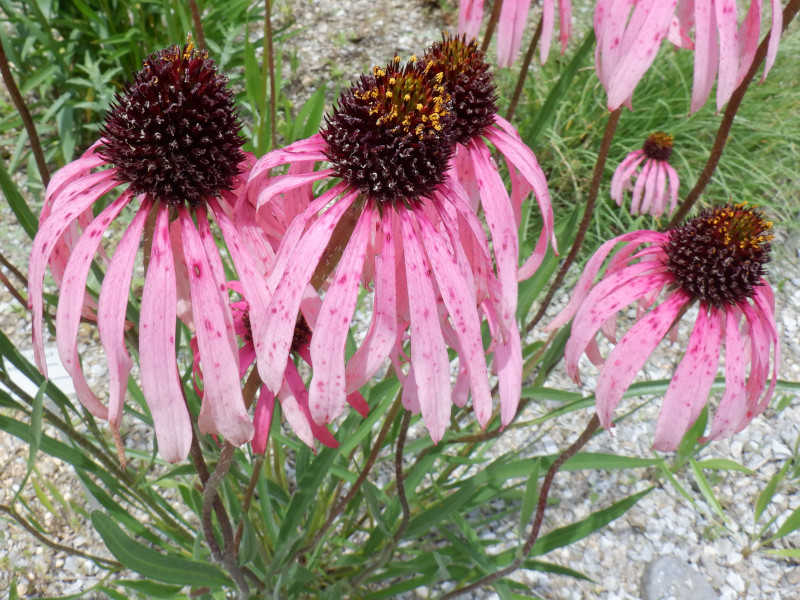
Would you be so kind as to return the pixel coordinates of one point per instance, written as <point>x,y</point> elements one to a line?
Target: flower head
<point>173,138</point>
<point>511,25</point>
<point>716,261</point>
<point>650,166</point>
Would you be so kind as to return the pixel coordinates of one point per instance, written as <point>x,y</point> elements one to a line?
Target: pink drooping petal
<point>293,386</point>
<point>460,302</point>
<point>470,14</point>
<point>283,183</point>
<point>111,312</point>
<point>628,357</point>
<point>706,53</point>
<point>655,17</point>
<point>674,185</point>
<point>548,24</point>
<point>690,386</point>
<point>589,320</point>
<point>508,364</point>
<point>431,366</point>
<point>564,22</point>
<point>262,420</point>
<point>160,382</point>
<point>593,267</point>
<point>732,407</point>
<point>749,34</point>
<point>310,149</point>
<point>465,177</point>
<point>622,175</point>
<point>223,411</point>
<point>774,37</point>
<point>500,219</point>
<point>766,304</point>
<point>382,333</point>
<point>183,290</point>
<point>653,189</point>
<point>727,28</point>
<point>70,301</point>
<point>610,18</point>
<point>757,354</point>
<point>510,26</point>
<point>639,188</point>
<point>274,339</point>
<point>43,244</point>
<point>253,234</point>
<point>327,390</point>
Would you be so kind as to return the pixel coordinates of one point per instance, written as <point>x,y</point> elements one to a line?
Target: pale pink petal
<point>293,385</point>
<point>765,302</point>
<point>749,34</point>
<point>183,289</point>
<point>111,312</point>
<point>274,339</point>
<point>727,25</point>
<point>253,235</point>
<point>461,388</point>
<point>674,185</point>
<point>690,386</point>
<point>639,187</point>
<point>655,17</point>
<point>623,173</point>
<point>470,14</point>
<point>628,357</point>
<point>772,45</point>
<point>706,53</point>
<point>508,364</point>
<point>159,371</point>
<point>327,390</point>
<point>382,333</point>
<point>223,411</point>
<point>70,301</point>
<point>732,407</point>
<point>510,27</point>
<point>431,366</point>
<point>460,302</point>
<point>262,420</point>
<point>283,183</point>
<point>564,22</point>
<point>610,18</point>
<point>312,148</point>
<point>651,188</point>
<point>548,24</point>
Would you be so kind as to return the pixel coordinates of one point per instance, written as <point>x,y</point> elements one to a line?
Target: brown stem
<point>13,291</point>
<point>597,177</point>
<point>342,504</point>
<point>14,270</point>
<point>523,71</point>
<point>27,121</point>
<point>492,24</point>
<point>273,112</point>
<point>99,560</point>
<point>248,498</point>
<point>727,122</point>
<point>210,498</point>
<point>587,434</point>
<point>198,24</point>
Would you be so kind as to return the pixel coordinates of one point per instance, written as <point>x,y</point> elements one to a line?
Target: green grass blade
<point>18,205</point>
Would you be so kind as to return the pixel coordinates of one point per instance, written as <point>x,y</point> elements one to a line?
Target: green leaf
<point>307,121</point>
<point>529,500</point>
<point>791,523</point>
<point>150,589</point>
<point>705,489</point>
<point>787,552</point>
<point>18,205</point>
<point>152,564</point>
<point>724,464</point>
<point>768,492</point>
<point>570,534</point>
<point>36,436</point>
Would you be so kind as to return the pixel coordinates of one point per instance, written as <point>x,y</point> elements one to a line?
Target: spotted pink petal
<point>283,183</point>
<point>429,358</point>
<point>223,411</point>
<point>460,302</point>
<point>293,386</point>
<point>727,26</point>
<point>111,312</point>
<point>508,364</point>
<point>630,354</point>
<point>327,391</point>
<point>382,333</point>
<point>310,149</point>
<point>765,302</point>
<point>159,372</point>
<point>749,34</point>
<point>262,420</point>
<point>690,386</point>
<point>274,339</point>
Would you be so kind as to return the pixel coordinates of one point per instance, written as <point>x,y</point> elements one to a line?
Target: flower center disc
<point>658,146</point>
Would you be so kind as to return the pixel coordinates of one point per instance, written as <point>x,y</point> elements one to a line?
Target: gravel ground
<point>348,36</point>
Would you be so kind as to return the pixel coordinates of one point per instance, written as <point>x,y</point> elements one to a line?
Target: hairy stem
<point>597,178</point>
<point>727,122</point>
<point>492,24</point>
<point>523,71</point>
<point>541,507</point>
<point>198,24</point>
<point>25,115</point>
<point>210,498</point>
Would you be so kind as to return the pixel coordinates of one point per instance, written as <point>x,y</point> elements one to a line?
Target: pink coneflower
<point>401,222</point>
<point>629,34</point>
<point>173,137</point>
<point>653,173</point>
<point>470,84</point>
<point>511,25</point>
<point>716,259</point>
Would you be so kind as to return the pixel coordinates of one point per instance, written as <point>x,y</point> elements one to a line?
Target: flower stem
<point>210,498</point>
<point>248,498</point>
<point>597,177</point>
<point>268,50</point>
<point>523,71</point>
<point>727,122</point>
<point>492,24</point>
<point>25,115</point>
<point>198,24</point>
<point>541,506</point>
<point>342,504</point>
